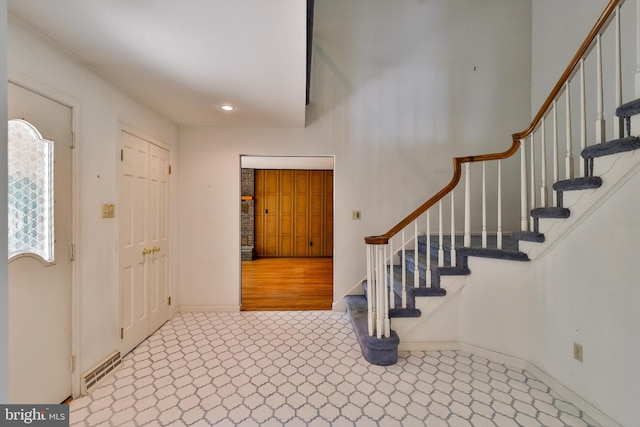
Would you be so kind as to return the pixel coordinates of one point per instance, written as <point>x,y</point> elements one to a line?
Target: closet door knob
<point>146,251</point>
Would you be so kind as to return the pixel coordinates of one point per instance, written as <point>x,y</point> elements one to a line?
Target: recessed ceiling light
<point>227,107</point>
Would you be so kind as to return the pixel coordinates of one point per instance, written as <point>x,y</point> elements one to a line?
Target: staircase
<point>406,280</point>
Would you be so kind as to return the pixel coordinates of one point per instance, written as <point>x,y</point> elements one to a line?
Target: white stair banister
<point>555,151</point>
<point>499,229</point>
<point>467,206</point>
<point>453,231</point>
<point>568,162</point>
<point>428,249</point>
<point>484,204</point>
<point>618,122</point>
<point>416,258</point>
<point>600,121</point>
<point>524,206</point>
<point>583,118</point>
<point>404,272</point>
<point>543,166</point>
<point>440,237</point>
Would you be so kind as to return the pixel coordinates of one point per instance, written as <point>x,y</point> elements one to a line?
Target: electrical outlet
<point>577,351</point>
<point>355,215</point>
<point>108,210</point>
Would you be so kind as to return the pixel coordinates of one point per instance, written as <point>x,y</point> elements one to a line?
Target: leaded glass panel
<point>30,192</point>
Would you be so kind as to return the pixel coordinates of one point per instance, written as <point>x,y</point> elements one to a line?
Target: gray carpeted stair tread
<point>378,351</point>
<point>528,236</point>
<point>553,212</point>
<point>621,145</point>
<point>494,253</point>
<point>585,183</point>
<point>628,109</point>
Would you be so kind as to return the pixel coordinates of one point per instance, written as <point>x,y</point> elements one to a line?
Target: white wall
<point>99,111</point>
<point>587,292</point>
<point>394,96</point>
<point>4,288</point>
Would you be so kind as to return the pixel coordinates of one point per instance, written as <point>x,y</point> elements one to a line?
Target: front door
<point>40,233</point>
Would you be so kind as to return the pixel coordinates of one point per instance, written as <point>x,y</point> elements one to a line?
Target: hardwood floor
<point>287,284</point>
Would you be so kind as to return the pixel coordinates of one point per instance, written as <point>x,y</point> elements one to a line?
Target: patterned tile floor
<point>306,369</point>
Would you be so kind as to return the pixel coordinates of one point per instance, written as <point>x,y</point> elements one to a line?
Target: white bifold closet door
<point>143,239</point>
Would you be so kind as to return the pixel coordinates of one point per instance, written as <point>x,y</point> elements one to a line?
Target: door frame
<point>269,161</point>
<point>73,104</point>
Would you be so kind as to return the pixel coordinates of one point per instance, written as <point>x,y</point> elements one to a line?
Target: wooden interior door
<point>316,213</point>
<point>294,213</point>
<point>328,214</point>
<point>286,221</point>
<point>302,213</point>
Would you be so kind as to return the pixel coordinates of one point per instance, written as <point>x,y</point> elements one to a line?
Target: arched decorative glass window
<point>30,192</point>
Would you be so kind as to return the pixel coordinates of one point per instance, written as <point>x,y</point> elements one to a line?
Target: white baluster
<point>416,258</point>
<point>555,152</point>
<point>440,237</point>
<point>453,231</point>
<point>617,122</point>
<point>532,193</point>
<point>467,205</point>
<point>499,231</point>
<point>600,121</point>
<point>371,273</point>
<point>392,294</point>
<point>428,274</point>
<point>568,162</point>
<point>583,118</point>
<point>385,301</point>
<point>524,207</point>
<point>404,272</point>
<point>380,291</point>
<point>637,76</point>
<point>543,167</point>
<point>484,204</point>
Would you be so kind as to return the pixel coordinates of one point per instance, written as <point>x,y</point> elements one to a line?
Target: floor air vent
<point>96,374</point>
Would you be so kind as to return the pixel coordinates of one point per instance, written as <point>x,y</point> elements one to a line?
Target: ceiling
<point>186,58</point>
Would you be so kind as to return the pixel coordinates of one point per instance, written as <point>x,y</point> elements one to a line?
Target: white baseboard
<point>600,417</point>
<point>209,308</point>
<point>429,346</point>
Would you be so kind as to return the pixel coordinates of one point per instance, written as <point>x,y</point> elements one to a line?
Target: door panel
<point>40,295</point>
<point>158,237</point>
<point>132,213</point>
<point>286,213</point>
<point>328,214</point>
<point>302,213</point>
<point>316,214</point>
<point>294,213</point>
<point>271,213</point>
<point>143,239</point>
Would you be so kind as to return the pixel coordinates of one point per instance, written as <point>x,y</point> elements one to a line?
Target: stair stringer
<point>423,330</point>
<point>615,171</point>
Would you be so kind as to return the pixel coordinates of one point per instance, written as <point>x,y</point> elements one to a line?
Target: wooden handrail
<point>457,172</point>
<point>600,23</point>
<point>516,137</point>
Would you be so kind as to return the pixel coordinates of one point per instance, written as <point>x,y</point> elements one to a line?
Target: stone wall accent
<point>247,215</point>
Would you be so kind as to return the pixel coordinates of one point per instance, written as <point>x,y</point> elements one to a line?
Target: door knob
<point>146,251</point>
<point>155,249</point>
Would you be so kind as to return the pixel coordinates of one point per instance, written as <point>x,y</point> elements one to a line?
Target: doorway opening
<point>287,233</point>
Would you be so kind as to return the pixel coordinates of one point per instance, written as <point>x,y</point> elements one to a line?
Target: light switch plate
<point>108,210</point>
